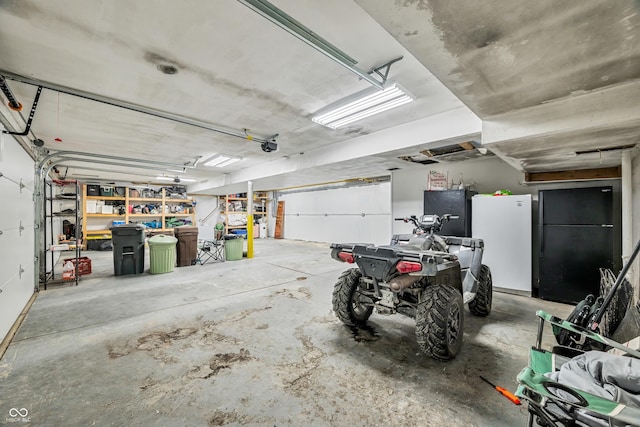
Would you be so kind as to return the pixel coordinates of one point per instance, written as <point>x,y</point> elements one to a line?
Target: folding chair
<point>210,246</point>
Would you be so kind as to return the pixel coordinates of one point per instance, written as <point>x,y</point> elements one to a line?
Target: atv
<point>422,275</point>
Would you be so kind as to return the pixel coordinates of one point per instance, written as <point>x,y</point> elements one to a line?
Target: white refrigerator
<point>504,223</point>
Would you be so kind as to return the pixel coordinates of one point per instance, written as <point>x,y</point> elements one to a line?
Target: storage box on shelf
<point>156,209</point>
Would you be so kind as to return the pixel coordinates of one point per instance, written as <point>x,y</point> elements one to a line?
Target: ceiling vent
<point>449,153</point>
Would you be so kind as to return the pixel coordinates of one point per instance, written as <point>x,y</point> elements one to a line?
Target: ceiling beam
<point>574,175</point>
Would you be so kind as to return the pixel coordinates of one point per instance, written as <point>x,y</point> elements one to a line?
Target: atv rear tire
<point>481,304</point>
<point>440,322</point>
<point>346,299</point>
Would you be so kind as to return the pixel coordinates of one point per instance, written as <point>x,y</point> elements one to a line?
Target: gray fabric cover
<point>602,374</point>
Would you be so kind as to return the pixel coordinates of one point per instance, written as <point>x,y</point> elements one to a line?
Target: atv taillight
<point>346,257</point>
<point>408,267</point>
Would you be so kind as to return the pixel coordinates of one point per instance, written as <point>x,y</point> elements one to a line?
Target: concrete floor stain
<point>364,333</point>
<point>301,293</point>
<point>225,360</point>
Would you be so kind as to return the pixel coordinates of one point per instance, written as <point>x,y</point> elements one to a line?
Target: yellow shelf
<point>140,199</point>
<point>104,198</point>
<point>177,214</point>
<point>97,215</point>
<point>98,232</point>
<point>145,215</point>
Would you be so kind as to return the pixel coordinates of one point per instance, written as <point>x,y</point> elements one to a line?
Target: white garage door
<point>351,214</point>
<point>17,232</point>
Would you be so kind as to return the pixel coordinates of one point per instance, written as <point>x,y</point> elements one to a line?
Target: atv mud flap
<point>469,251</point>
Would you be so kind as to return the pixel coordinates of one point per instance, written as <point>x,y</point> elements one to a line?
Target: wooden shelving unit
<point>164,213</point>
<point>230,208</point>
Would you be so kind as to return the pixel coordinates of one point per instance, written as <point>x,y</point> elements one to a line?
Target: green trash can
<point>233,245</point>
<point>162,253</point>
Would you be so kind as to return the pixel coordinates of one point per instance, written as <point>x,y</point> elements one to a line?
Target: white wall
<point>350,214</point>
<point>485,175</point>
<point>17,264</point>
<point>207,209</point>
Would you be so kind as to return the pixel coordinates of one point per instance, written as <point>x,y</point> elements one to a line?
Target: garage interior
<point>216,108</point>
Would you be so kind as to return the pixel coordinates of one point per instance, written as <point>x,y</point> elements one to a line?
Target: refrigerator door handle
<point>541,223</point>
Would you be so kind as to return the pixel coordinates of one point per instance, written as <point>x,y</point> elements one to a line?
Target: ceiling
<point>532,82</point>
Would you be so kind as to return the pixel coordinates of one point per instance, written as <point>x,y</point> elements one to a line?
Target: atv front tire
<point>481,304</point>
<point>348,302</point>
<point>440,322</point>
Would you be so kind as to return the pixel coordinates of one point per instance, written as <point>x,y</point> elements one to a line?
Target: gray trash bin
<point>128,249</point>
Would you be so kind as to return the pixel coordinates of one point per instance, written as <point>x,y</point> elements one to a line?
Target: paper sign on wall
<point>437,180</point>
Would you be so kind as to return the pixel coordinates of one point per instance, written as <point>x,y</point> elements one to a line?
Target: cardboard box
<point>107,209</point>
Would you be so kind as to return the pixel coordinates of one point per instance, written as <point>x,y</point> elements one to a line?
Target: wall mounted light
<point>221,161</point>
<point>361,105</point>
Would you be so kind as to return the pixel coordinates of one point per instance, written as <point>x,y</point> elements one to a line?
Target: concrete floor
<point>251,342</point>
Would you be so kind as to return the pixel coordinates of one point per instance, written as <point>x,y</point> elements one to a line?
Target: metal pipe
<point>53,154</point>
<point>539,336</point>
<point>91,168</point>
<point>402,282</point>
<point>293,27</point>
<point>627,210</point>
<point>130,106</point>
<point>102,162</point>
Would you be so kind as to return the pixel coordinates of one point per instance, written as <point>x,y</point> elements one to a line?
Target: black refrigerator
<point>577,238</point>
<point>454,202</point>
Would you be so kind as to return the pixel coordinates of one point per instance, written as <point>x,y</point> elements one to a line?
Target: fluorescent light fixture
<point>221,161</point>
<point>171,178</point>
<point>363,104</point>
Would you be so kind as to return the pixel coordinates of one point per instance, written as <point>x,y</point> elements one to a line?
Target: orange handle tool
<point>503,391</point>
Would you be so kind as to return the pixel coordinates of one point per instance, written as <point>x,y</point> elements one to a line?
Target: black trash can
<point>128,249</point>
<point>187,249</point>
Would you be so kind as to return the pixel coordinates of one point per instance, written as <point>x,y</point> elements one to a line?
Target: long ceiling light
<point>363,104</point>
<point>221,161</point>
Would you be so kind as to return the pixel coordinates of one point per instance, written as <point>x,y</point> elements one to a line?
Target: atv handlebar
<point>434,226</point>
